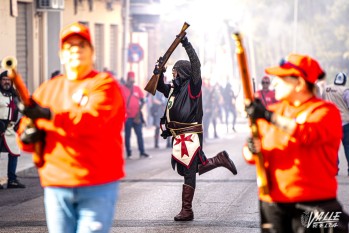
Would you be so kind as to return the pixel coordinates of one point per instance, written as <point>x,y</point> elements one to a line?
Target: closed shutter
<point>99,47</point>
<point>21,41</point>
<point>113,48</point>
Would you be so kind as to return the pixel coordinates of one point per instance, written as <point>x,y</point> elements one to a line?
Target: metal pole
<point>125,35</point>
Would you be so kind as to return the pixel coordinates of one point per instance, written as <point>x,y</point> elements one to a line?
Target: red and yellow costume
<point>301,166</point>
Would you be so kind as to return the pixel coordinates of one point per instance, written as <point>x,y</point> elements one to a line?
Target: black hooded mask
<point>183,69</point>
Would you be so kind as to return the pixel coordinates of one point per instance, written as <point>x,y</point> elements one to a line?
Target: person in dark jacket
<point>157,111</point>
<point>183,121</point>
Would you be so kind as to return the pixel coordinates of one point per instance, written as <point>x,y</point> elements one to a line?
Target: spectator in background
<point>216,110</point>
<point>206,106</point>
<point>229,99</point>
<point>157,111</point>
<point>134,99</point>
<point>79,117</point>
<point>122,81</point>
<point>9,119</point>
<point>105,69</point>
<point>211,105</point>
<point>338,94</point>
<point>266,95</point>
<point>55,73</point>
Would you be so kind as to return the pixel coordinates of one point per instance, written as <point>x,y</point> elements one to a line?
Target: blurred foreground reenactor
<point>338,94</point>
<point>183,121</point>
<point>79,117</point>
<point>300,148</point>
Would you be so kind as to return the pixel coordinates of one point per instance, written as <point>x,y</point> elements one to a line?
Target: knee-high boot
<point>186,213</point>
<point>220,160</point>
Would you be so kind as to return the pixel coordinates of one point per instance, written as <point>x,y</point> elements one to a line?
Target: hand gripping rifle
<point>10,64</point>
<point>262,180</point>
<point>153,82</point>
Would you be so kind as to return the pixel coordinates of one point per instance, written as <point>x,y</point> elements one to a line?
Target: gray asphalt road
<point>150,195</point>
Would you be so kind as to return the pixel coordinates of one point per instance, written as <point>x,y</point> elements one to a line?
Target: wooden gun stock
<point>10,64</point>
<point>153,82</point>
<point>262,180</point>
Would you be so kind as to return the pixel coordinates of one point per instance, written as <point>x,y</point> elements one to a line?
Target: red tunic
<point>134,103</point>
<point>84,145</point>
<point>267,97</point>
<point>302,166</point>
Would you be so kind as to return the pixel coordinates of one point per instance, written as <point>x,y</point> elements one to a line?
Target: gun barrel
<point>185,26</point>
<point>262,179</point>
<point>242,63</point>
<point>9,63</point>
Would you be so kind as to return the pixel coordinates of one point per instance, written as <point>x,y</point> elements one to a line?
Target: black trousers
<point>189,174</point>
<point>300,217</point>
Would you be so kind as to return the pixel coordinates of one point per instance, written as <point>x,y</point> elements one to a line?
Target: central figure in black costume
<point>183,120</point>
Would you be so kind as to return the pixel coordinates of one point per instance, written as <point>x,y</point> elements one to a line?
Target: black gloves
<point>35,111</point>
<point>157,69</point>
<point>31,135</point>
<point>185,41</point>
<point>256,110</point>
<point>165,134</point>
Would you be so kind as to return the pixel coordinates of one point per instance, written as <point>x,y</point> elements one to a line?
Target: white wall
<point>8,31</point>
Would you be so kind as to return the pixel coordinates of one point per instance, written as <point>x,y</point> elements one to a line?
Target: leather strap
<point>177,128</point>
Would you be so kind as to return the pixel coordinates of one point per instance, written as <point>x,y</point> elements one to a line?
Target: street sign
<point>135,53</point>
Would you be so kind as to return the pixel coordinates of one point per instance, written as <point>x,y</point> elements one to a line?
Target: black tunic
<point>187,104</point>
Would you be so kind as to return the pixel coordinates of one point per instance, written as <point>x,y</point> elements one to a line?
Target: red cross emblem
<point>182,140</point>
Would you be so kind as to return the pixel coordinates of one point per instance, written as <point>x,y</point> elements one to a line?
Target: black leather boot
<point>220,160</point>
<point>186,213</point>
